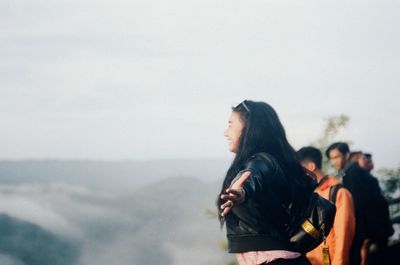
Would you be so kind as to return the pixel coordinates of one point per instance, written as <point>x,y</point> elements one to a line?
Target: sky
<point>140,80</point>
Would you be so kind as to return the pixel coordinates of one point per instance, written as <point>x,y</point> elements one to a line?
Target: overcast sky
<point>156,79</point>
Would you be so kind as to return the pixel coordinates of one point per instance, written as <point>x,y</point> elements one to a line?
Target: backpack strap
<point>333,192</point>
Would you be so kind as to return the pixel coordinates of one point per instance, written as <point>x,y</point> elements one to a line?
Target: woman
<point>264,188</point>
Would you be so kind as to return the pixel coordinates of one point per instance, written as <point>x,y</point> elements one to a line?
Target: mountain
<point>30,244</point>
<point>160,223</point>
<point>108,175</point>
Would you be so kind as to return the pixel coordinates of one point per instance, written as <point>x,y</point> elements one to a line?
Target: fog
<point>160,223</point>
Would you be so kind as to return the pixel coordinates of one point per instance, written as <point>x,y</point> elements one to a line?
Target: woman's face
<point>233,132</point>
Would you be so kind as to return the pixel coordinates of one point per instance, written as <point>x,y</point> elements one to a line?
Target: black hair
<point>341,146</point>
<point>354,154</point>
<point>263,132</point>
<point>312,154</point>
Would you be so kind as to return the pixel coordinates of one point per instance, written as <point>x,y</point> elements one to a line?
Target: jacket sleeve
<point>261,173</point>
<point>343,227</point>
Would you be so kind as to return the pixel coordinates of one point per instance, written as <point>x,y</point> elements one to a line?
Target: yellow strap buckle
<point>310,229</point>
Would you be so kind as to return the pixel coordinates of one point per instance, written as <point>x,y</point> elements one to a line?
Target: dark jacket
<point>372,210</point>
<point>261,221</point>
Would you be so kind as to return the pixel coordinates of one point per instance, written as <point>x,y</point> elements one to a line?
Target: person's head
<point>355,156</point>
<point>255,127</point>
<point>338,153</point>
<point>366,162</point>
<point>310,158</point>
<point>360,158</point>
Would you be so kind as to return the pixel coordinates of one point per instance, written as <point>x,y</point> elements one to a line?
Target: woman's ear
<point>313,167</point>
<point>309,165</point>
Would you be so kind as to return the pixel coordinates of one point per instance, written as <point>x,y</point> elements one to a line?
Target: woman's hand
<point>232,197</point>
<point>235,194</point>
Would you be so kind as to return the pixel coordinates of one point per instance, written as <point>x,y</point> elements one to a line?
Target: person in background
<point>256,192</point>
<point>356,156</point>
<point>375,248</point>
<point>370,206</point>
<point>367,162</point>
<point>363,161</point>
<point>342,233</point>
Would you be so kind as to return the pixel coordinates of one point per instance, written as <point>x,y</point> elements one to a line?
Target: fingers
<point>234,195</point>
<point>240,182</point>
<point>225,211</point>
<point>230,197</point>
<point>235,192</point>
<point>226,207</point>
<point>245,175</point>
<point>227,204</point>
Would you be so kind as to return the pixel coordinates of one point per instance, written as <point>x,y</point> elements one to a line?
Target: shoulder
<point>354,170</point>
<point>343,193</point>
<point>354,176</point>
<point>373,181</point>
<point>344,201</point>
<point>261,163</point>
<point>337,191</point>
<point>332,181</point>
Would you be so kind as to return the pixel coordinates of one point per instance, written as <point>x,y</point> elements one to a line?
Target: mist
<point>162,222</point>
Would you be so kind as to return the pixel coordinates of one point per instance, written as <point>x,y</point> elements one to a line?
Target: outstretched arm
<point>235,194</point>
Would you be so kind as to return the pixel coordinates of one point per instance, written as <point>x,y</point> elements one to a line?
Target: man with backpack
<point>341,235</point>
<point>372,215</point>
<point>374,250</point>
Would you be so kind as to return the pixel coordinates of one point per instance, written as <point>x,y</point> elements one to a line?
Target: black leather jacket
<point>260,222</point>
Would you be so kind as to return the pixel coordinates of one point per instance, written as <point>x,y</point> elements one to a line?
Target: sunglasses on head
<point>244,105</point>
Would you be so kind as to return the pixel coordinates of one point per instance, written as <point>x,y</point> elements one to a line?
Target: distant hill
<point>161,223</point>
<point>28,243</point>
<point>106,175</point>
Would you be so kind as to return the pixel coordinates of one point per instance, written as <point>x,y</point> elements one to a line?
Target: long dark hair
<point>263,132</point>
